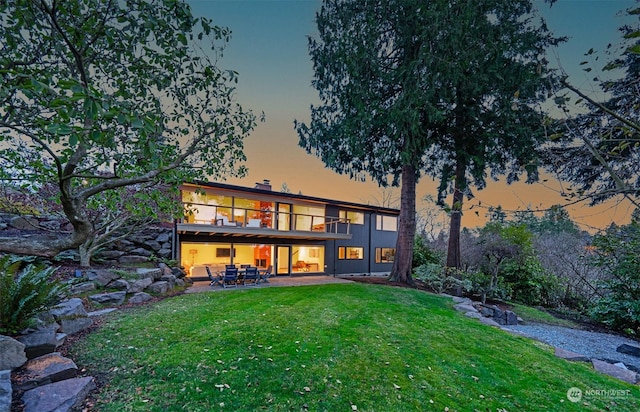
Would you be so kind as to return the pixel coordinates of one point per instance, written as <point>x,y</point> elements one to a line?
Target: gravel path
<point>590,344</point>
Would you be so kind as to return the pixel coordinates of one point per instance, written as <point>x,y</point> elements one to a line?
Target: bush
<point>25,292</point>
<point>619,252</point>
<point>530,284</point>
<point>438,280</point>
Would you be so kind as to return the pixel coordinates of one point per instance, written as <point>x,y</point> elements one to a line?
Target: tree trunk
<point>453,248</point>
<point>401,270</point>
<point>85,252</point>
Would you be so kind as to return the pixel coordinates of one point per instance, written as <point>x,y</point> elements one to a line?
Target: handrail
<point>270,219</point>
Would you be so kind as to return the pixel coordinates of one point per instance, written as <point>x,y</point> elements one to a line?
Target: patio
<point>204,286</point>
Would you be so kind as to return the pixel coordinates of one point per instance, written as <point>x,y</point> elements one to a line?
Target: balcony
<point>241,222</point>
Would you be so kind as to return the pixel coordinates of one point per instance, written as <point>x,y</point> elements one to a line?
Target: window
<point>385,254</point>
<point>224,252</point>
<point>389,223</point>
<point>355,218</point>
<point>350,253</point>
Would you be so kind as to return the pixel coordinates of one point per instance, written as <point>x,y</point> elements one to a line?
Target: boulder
<point>6,391</point>
<point>615,371</point>
<point>140,285</point>
<point>101,312</point>
<point>113,298</point>
<point>153,245</point>
<point>65,395</point>
<point>132,259</point>
<point>629,350</point>
<point>82,288</point>
<point>489,321</point>
<point>12,353</point>
<point>160,287</point>
<point>43,341</point>
<point>165,252</point>
<point>510,318</point>
<point>46,369</point>
<point>170,279</point>
<point>570,356</point>
<point>24,223</point>
<point>120,284</point>
<point>463,307</point>
<point>149,273</point>
<point>71,316</point>
<point>166,270</point>
<point>101,277</point>
<point>140,251</point>
<point>140,297</point>
<point>163,237</point>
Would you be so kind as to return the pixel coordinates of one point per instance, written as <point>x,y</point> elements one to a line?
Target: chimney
<point>265,185</point>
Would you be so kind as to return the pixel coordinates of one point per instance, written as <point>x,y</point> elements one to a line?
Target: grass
<point>328,348</point>
<point>529,314</point>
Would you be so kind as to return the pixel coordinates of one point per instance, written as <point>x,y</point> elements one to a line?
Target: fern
<point>25,292</point>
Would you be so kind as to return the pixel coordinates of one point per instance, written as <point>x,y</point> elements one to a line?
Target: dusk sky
<point>269,50</point>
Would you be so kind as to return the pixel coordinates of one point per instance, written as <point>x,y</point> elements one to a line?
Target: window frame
<point>344,255</point>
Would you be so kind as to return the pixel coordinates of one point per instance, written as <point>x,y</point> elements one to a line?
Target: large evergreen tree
<point>445,87</point>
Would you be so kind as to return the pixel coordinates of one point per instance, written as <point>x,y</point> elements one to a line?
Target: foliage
<point>339,347</point>
<point>25,292</point>
<point>530,284</point>
<point>618,250</point>
<point>423,254</point>
<point>599,151</point>
<point>440,279</point>
<point>98,95</point>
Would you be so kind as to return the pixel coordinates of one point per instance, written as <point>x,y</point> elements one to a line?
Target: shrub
<point>439,280</point>
<point>25,292</point>
<point>619,251</point>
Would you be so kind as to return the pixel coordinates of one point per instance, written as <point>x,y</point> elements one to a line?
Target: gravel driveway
<point>590,344</point>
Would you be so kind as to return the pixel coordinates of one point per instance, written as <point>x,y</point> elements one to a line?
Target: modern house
<point>292,234</point>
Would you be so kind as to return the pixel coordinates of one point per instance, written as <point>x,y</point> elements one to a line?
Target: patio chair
<point>251,275</point>
<point>230,277</point>
<point>265,274</point>
<point>215,280</point>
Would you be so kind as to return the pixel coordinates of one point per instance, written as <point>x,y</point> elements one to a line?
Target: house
<point>292,234</point>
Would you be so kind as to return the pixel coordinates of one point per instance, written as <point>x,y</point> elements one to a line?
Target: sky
<point>268,48</point>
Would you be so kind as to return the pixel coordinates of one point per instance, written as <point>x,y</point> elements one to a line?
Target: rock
<point>47,369</point>
<point>140,285</point>
<point>113,298</point>
<point>510,318</point>
<point>462,307</point>
<point>140,297</point>
<point>60,396</point>
<point>629,350</point>
<point>485,311</point>
<point>473,315</point>
<point>129,259</point>
<point>166,270</point>
<point>120,284</point>
<point>42,341</point>
<point>101,312</point>
<point>160,287</point>
<point>570,356</point>
<point>101,277</point>
<point>12,353</point>
<point>164,253</point>
<point>82,288</point>
<point>489,321</point>
<point>6,391</point>
<point>497,312</point>
<point>24,223</point>
<point>459,299</point>
<point>163,237</point>
<point>170,279</point>
<point>149,273</point>
<point>180,282</point>
<point>612,370</point>
<point>153,245</point>
<point>72,316</point>
<point>141,252</point>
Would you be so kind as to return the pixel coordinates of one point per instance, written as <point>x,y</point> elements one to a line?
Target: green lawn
<point>338,347</point>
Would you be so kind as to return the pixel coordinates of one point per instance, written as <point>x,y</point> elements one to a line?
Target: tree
<point>599,151</point>
<point>98,95</point>
<point>370,77</point>
<point>446,88</point>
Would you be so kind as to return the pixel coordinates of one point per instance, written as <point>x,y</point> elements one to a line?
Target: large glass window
<point>385,254</point>
<point>388,223</point>
<point>195,257</point>
<point>206,207</point>
<point>350,253</point>
<point>355,218</point>
<point>309,218</point>
<point>307,259</point>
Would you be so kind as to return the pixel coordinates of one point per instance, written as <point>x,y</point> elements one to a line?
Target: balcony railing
<point>264,219</point>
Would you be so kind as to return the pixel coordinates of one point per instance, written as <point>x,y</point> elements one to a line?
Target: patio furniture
<point>215,280</point>
<point>265,274</point>
<point>251,275</point>
<point>230,277</point>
